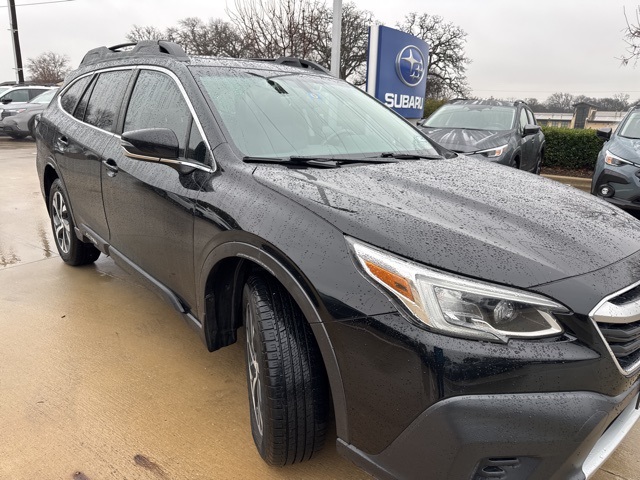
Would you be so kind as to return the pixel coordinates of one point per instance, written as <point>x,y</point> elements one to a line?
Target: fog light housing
<point>606,190</point>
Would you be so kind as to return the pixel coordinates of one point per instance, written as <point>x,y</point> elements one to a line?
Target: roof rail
<point>456,99</point>
<point>295,62</point>
<point>144,47</point>
<point>519,101</point>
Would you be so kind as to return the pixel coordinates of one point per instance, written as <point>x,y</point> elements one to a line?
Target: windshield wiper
<point>322,162</point>
<point>409,156</point>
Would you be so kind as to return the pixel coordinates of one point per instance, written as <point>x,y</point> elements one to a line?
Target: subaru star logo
<point>410,66</point>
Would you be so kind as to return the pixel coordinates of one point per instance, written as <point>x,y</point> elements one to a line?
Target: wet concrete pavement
<point>100,379</point>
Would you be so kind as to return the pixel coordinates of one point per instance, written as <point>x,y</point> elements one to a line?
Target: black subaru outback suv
<point>464,320</point>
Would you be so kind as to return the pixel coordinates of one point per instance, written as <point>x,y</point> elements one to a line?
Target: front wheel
<point>287,384</point>
<point>71,250</point>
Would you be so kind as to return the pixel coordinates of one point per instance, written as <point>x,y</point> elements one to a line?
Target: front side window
<point>473,117</point>
<point>156,102</point>
<point>523,118</point>
<point>70,97</point>
<point>21,95</point>
<point>276,114</point>
<point>106,98</point>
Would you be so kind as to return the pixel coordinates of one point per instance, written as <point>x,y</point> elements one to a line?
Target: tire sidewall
<point>259,439</point>
<point>73,245</point>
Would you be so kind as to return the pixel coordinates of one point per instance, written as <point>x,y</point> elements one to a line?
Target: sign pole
<point>336,35</point>
<point>13,24</point>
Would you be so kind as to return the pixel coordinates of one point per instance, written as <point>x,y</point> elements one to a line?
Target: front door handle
<point>111,166</point>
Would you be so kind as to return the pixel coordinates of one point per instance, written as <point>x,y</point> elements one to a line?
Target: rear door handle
<point>111,166</point>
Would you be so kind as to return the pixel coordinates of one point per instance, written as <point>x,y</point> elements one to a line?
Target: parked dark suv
<point>493,130</point>
<point>464,320</point>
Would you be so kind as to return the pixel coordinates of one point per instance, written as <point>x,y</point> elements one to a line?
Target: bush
<point>568,148</point>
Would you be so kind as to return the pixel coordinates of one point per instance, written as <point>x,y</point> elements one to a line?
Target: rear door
<point>87,121</point>
<point>150,206</point>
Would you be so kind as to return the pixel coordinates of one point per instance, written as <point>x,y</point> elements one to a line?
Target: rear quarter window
<point>70,98</point>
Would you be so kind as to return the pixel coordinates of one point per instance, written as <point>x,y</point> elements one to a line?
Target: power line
<point>39,3</point>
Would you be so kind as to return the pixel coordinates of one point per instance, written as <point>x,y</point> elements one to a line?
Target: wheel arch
<point>50,175</point>
<point>223,277</point>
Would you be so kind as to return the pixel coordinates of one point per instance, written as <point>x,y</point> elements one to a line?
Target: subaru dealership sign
<point>397,70</point>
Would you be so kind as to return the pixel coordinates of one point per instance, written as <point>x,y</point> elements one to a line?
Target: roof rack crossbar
<point>295,62</point>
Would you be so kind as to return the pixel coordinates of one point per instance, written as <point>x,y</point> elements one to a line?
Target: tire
<point>286,380</point>
<point>71,250</point>
<point>538,167</point>
<point>31,125</point>
<point>515,163</point>
<point>17,136</point>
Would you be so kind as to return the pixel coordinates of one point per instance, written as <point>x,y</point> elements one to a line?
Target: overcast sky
<point>519,49</point>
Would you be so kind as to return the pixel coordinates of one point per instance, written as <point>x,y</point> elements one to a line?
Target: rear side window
<point>34,92</point>
<point>70,98</point>
<point>106,98</point>
<point>156,102</point>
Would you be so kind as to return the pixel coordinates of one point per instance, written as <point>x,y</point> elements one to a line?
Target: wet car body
<point>517,142</point>
<point>616,177</point>
<point>409,401</point>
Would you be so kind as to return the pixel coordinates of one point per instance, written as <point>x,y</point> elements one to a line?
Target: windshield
<point>276,114</point>
<point>631,126</point>
<point>475,117</point>
<point>45,97</point>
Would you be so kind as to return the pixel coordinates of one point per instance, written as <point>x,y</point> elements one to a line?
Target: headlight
<point>493,152</point>
<point>455,305</point>
<point>616,161</point>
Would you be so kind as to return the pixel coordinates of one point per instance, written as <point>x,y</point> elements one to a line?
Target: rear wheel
<point>538,166</point>
<point>287,384</point>
<point>71,250</point>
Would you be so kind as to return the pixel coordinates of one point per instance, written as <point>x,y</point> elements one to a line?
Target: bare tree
<point>354,43</point>
<point>215,38</point>
<point>139,33</point>
<point>446,70</point>
<point>560,102</point>
<point>48,67</point>
<point>273,28</point>
<point>632,39</point>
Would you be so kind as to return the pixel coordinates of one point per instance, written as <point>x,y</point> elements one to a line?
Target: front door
<point>150,206</point>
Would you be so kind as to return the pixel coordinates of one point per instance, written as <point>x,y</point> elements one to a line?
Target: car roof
<point>488,102</point>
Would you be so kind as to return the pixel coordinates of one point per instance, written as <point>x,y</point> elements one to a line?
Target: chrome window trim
<point>214,166</point>
<point>633,369</point>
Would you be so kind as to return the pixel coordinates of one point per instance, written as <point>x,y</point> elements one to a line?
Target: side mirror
<point>604,133</point>
<point>421,122</point>
<point>6,101</point>
<point>530,130</point>
<point>151,144</point>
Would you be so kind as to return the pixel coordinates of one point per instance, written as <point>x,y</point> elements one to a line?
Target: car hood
<point>466,140</point>
<point>467,216</point>
<point>628,148</point>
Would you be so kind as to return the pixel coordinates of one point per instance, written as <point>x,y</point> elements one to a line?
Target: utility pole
<point>13,24</point>
<point>336,34</point>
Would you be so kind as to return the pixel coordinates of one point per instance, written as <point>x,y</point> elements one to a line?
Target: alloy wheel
<point>61,226</point>
<point>253,344</point>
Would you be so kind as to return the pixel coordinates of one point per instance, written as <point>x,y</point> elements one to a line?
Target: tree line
<point>302,28</point>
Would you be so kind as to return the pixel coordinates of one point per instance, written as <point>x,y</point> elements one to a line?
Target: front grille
<point>618,318</point>
<point>624,341</point>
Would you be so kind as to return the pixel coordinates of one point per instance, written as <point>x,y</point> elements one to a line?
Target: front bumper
<point>624,180</point>
<point>511,437</point>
